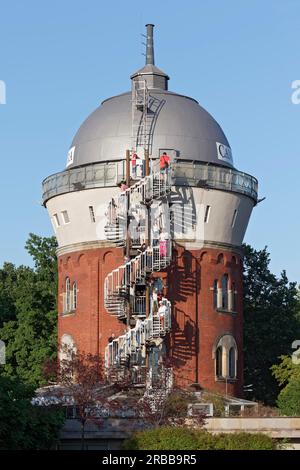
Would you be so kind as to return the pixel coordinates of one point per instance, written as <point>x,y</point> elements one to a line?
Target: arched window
<point>231,363</point>
<point>67,296</point>
<point>215,293</point>
<point>225,355</point>
<point>225,291</point>
<point>74,296</point>
<point>234,297</point>
<point>219,371</point>
<point>220,258</point>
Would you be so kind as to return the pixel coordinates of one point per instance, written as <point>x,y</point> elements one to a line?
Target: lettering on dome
<point>224,152</point>
<point>70,156</point>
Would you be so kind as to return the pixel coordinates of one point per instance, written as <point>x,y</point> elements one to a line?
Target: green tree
<point>28,312</point>
<point>22,425</point>
<point>289,398</point>
<point>271,306</point>
<point>287,374</point>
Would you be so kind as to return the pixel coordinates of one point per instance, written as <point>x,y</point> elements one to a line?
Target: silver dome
<point>182,124</point>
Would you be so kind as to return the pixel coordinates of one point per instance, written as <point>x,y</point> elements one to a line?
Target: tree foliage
<point>22,425</point>
<point>183,438</point>
<point>28,311</point>
<point>287,374</point>
<point>271,323</point>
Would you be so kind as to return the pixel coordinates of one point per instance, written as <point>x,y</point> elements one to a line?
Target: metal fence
<point>183,173</point>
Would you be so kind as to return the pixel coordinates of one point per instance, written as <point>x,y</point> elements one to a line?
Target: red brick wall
<point>196,324</point>
<point>90,325</point>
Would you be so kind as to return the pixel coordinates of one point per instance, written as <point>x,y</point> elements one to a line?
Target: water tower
<point>153,269</point>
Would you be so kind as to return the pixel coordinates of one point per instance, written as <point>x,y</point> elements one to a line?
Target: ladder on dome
<point>145,109</point>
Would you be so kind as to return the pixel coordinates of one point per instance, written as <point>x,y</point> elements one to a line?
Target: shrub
<point>289,398</point>
<point>162,438</point>
<point>244,441</point>
<point>182,438</point>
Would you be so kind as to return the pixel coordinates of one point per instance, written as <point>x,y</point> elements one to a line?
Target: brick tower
<point>150,215</point>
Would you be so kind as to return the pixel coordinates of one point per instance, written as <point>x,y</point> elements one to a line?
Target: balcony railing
<point>183,172</point>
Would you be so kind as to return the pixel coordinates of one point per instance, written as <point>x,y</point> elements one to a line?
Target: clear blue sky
<point>59,59</point>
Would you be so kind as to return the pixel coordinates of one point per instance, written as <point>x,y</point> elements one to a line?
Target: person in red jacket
<point>133,165</point>
<point>164,164</point>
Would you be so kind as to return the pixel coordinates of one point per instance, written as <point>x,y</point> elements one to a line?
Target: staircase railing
<point>117,283</point>
<point>151,187</point>
<point>128,348</point>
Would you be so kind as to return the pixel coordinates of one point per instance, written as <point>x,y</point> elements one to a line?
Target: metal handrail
<point>183,172</point>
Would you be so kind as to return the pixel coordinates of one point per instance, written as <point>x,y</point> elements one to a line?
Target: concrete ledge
<point>277,427</point>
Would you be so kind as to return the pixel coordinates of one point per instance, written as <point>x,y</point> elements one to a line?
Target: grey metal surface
<point>184,173</point>
<point>182,124</point>
<point>149,45</point>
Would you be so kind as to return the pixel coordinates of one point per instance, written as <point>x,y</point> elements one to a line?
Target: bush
<point>182,438</point>
<point>289,398</point>
<point>244,441</point>
<point>162,438</point>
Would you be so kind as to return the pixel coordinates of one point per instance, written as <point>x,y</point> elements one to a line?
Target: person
<point>155,233</point>
<point>111,338</point>
<point>123,186</point>
<point>163,242</point>
<point>164,163</point>
<point>140,168</point>
<point>133,164</point>
<point>154,301</point>
<point>162,313</point>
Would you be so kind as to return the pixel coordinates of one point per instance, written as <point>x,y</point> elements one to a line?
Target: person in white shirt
<point>162,313</point>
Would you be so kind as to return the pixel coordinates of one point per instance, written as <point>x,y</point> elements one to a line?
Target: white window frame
<point>92,214</point>
<point>65,217</point>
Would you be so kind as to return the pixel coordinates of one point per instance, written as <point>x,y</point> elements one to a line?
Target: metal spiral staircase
<point>129,349</point>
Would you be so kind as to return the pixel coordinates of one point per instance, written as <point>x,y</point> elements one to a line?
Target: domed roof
<point>174,122</point>
<point>181,124</point>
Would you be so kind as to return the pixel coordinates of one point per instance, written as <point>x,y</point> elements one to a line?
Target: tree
<point>82,382</point>
<point>22,425</point>
<point>287,374</point>
<point>28,311</point>
<point>271,324</point>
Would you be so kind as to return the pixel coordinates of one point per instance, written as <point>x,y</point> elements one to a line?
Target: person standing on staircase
<point>164,164</point>
<point>133,164</point>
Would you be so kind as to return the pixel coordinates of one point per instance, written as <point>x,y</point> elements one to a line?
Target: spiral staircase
<point>128,351</point>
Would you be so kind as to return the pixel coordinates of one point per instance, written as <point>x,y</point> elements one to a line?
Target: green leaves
<point>271,307</point>
<point>28,311</point>
<point>22,425</point>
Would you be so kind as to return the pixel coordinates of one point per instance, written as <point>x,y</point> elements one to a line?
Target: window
<point>74,296</point>
<point>65,217</point>
<point>225,291</point>
<point>234,297</point>
<point>206,215</point>
<point>231,363</point>
<point>215,293</point>
<point>67,295</point>
<point>92,214</point>
<point>56,220</point>
<point>219,361</point>
<point>225,355</point>
<point>234,218</point>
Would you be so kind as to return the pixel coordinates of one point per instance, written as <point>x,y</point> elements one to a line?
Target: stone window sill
<point>224,380</point>
<point>67,314</point>
<point>226,311</point>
